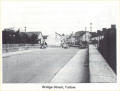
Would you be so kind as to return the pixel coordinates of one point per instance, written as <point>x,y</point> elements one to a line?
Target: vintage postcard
<point>60,45</point>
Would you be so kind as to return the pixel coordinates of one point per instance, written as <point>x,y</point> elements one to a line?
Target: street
<point>59,42</point>
<point>56,65</point>
<point>36,66</point>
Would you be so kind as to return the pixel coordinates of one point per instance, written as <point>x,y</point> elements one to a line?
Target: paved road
<point>35,66</point>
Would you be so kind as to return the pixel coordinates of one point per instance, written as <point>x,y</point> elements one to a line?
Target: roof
<point>79,33</point>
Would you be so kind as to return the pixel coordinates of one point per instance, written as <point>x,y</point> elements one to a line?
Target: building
<point>40,37</point>
<point>74,39</point>
<point>97,36</point>
<point>85,37</point>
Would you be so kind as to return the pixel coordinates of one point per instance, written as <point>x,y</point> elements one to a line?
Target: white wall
<point>86,37</point>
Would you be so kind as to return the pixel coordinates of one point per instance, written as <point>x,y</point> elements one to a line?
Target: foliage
<point>10,36</point>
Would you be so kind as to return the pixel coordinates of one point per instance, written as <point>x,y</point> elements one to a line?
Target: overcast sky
<point>61,17</point>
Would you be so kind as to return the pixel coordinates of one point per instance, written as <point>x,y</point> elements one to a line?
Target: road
<point>36,66</point>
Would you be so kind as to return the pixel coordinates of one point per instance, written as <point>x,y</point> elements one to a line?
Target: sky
<point>59,16</point>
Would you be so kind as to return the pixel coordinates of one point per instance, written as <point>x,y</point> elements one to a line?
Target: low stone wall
<point>16,47</point>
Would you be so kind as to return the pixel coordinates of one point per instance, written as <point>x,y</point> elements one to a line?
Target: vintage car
<point>64,45</point>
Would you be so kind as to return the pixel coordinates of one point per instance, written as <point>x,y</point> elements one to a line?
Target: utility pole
<point>85,33</point>
<point>91,30</point>
<point>25,28</point>
<point>25,35</point>
<point>91,27</point>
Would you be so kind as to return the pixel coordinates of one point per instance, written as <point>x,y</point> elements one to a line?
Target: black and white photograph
<point>59,41</point>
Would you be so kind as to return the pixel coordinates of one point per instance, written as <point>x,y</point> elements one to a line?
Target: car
<point>64,45</point>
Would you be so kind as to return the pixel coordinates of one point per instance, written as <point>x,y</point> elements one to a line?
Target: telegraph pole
<point>85,33</point>
<point>25,35</point>
<point>25,28</point>
<point>91,30</point>
<point>91,27</point>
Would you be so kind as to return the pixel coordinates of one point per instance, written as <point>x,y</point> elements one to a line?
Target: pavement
<point>75,71</point>
<point>100,71</point>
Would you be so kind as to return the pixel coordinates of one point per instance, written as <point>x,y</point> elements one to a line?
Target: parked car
<point>65,45</point>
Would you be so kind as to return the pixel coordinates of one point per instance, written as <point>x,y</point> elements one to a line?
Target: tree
<point>34,39</point>
<point>8,36</point>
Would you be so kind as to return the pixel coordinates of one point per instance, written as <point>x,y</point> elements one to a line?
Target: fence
<point>107,47</point>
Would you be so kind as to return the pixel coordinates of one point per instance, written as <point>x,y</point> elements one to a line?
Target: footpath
<point>100,71</point>
<point>84,68</point>
<point>75,71</point>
